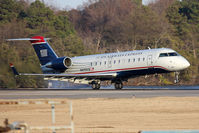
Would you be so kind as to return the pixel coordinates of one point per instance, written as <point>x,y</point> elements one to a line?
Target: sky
<point>70,4</point>
<point>65,4</point>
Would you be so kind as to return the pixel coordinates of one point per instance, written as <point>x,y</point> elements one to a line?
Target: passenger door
<point>149,60</point>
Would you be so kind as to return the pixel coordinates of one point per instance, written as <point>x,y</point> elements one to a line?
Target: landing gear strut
<point>118,85</point>
<point>95,85</point>
<point>176,77</point>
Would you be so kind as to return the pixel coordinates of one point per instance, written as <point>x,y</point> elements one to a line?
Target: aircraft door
<point>149,60</point>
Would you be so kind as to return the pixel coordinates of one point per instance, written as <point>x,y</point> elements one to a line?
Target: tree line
<point>99,26</point>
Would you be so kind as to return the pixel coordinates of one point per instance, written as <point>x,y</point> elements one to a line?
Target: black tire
<point>118,85</point>
<point>96,86</point>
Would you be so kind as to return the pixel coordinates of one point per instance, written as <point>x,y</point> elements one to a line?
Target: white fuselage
<point>129,61</point>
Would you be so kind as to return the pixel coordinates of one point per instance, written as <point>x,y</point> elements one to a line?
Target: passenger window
<point>143,59</point>
<point>104,62</point>
<point>163,55</point>
<point>114,61</point>
<point>138,59</point>
<point>133,59</point>
<point>118,61</point>
<point>129,60</point>
<point>91,64</point>
<point>95,63</point>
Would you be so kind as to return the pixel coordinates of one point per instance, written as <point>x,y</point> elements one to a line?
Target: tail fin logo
<point>44,53</point>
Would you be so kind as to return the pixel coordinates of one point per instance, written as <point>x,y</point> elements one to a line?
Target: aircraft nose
<point>186,64</point>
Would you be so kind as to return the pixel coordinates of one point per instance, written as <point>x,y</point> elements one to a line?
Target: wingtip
<point>14,70</point>
<point>11,65</point>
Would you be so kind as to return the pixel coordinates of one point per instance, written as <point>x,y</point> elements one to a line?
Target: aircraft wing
<point>78,76</point>
<point>100,75</point>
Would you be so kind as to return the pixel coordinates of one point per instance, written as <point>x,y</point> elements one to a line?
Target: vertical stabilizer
<point>43,50</point>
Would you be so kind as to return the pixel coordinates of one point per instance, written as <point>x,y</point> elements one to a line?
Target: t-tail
<point>50,62</point>
<point>43,50</point>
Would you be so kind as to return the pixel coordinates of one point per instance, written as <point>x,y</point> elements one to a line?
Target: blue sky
<point>68,4</point>
<point>65,4</point>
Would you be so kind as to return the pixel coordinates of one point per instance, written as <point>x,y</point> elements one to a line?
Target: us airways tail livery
<point>116,67</point>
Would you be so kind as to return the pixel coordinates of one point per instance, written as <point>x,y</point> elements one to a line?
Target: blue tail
<point>43,50</point>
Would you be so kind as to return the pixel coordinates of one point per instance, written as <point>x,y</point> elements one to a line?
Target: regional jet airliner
<point>115,67</point>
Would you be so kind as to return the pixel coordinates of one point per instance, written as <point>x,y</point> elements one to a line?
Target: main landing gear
<point>95,85</point>
<point>118,85</point>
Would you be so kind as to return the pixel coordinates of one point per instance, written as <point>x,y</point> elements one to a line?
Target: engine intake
<point>61,63</point>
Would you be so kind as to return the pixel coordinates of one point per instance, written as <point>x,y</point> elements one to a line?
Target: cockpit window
<point>173,54</point>
<point>168,54</point>
<point>163,55</point>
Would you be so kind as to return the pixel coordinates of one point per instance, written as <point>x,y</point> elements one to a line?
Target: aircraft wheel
<point>176,77</point>
<point>96,86</point>
<point>118,85</point>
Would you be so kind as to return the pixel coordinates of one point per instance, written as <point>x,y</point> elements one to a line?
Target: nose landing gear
<point>176,77</point>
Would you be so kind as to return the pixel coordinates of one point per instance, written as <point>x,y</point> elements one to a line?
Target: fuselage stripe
<point>137,68</point>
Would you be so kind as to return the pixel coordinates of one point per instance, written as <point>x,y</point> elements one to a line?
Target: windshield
<point>168,54</point>
<point>163,54</point>
<point>173,54</point>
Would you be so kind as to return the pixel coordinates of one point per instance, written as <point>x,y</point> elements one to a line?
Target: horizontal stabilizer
<point>26,39</point>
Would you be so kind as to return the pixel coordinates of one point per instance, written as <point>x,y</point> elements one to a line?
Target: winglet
<point>14,70</point>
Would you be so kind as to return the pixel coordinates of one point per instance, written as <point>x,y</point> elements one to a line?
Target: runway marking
<point>31,102</point>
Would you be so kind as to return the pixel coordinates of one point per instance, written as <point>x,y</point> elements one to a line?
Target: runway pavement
<point>83,93</point>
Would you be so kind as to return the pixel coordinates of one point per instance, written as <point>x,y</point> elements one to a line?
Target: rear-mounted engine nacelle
<point>61,63</point>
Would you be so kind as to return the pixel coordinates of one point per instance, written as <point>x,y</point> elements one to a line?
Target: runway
<point>85,93</point>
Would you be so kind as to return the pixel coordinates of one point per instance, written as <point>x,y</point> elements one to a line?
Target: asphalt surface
<point>87,93</point>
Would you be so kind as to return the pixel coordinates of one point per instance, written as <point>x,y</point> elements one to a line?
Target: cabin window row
<point>116,61</point>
